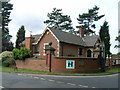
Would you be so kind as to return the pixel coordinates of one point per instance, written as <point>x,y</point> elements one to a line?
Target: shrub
<point>21,54</point>
<point>16,53</point>
<point>7,58</point>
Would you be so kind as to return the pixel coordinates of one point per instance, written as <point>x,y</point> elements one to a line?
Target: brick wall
<point>69,49</point>
<point>58,64</point>
<point>90,65</point>
<point>32,64</point>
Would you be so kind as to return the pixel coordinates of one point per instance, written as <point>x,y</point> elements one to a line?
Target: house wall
<point>28,43</point>
<point>48,37</point>
<point>69,49</point>
<point>62,49</point>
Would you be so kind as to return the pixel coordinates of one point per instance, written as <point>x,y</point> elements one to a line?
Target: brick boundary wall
<point>58,64</point>
<point>89,65</point>
<point>32,64</point>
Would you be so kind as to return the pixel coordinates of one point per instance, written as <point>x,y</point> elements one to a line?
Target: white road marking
<point>36,77</point>
<point>42,78</point>
<point>71,84</point>
<point>93,87</point>
<point>59,82</point>
<point>83,86</point>
<point>51,80</point>
<point>80,85</point>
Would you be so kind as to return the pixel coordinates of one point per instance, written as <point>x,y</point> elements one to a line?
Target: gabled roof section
<point>91,40</point>
<point>36,37</point>
<point>67,37</point>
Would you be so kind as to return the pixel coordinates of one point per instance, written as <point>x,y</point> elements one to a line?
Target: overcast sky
<point>32,14</point>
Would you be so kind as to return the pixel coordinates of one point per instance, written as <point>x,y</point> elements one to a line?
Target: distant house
<point>65,43</point>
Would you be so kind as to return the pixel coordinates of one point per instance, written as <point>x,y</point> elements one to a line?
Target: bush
<point>21,54</point>
<point>16,53</point>
<point>7,58</point>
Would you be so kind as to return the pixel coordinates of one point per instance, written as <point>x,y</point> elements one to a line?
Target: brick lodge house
<point>65,43</point>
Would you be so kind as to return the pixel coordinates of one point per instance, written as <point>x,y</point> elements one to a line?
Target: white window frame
<point>44,48</point>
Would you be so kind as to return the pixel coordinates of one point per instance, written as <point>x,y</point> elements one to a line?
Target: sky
<point>32,14</point>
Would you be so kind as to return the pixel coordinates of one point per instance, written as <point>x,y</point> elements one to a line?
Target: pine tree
<point>59,21</point>
<point>105,37</point>
<point>86,20</point>
<point>20,36</point>
<point>6,43</point>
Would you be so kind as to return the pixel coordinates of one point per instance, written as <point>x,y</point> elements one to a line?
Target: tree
<point>7,45</point>
<point>86,20</point>
<point>118,39</point>
<point>59,21</point>
<point>20,36</point>
<point>105,37</point>
<point>7,58</point>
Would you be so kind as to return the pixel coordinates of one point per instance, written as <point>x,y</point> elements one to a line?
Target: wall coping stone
<point>64,57</point>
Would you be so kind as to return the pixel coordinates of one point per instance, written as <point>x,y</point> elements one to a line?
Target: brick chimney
<point>81,31</point>
<point>28,42</point>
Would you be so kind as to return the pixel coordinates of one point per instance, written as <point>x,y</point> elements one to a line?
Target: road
<point>19,80</point>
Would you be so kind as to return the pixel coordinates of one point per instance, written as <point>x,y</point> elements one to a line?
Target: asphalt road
<point>19,80</point>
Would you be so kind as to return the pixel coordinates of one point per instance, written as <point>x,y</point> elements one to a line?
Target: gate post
<point>49,52</point>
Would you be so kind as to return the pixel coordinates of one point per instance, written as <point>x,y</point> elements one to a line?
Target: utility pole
<point>0,27</point>
<point>118,23</point>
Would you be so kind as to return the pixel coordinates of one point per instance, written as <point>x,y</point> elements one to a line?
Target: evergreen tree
<point>86,20</point>
<point>59,21</point>
<point>20,36</point>
<point>105,37</point>
<point>6,43</point>
<point>118,39</point>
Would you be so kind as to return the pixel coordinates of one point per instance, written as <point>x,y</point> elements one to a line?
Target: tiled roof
<point>36,37</point>
<point>67,37</point>
<point>90,40</point>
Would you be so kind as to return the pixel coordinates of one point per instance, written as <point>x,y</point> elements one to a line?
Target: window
<point>36,50</point>
<point>89,53</point>
<point>116,61</point>
<point>80,51</point>
<point>45,46</point>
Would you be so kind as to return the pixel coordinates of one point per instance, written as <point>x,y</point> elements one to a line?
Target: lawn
<point>11,70</point>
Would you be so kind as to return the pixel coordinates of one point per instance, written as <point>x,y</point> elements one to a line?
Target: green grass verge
<point>11,70</point>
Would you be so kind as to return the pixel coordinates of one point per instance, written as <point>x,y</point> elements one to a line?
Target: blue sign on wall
<point>70,64</point>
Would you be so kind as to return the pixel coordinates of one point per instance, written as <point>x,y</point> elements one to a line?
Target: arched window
<point>89,53</point>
